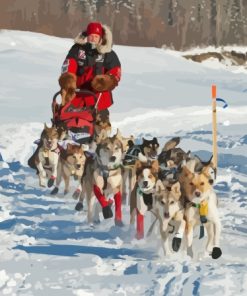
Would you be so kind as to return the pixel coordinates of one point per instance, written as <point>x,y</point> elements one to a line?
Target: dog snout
<point>211,181</point>
<point>113,158</point>
<point>78,165</point>
<point>145,183</point>
<point>166,215</point>
<point>197,193</point>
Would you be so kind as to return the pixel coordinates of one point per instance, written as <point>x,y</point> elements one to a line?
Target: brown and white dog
<point>145,153</point>
<point>201,208</point>
<point>46,156</point>
<point>141,199</point>
<point>168,207</point>
<point>71,163</point>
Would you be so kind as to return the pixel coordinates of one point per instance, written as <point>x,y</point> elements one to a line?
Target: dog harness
<point>203,212</point>
<point>105,171</point>
<point>46,155</point>
<point>144,201</point>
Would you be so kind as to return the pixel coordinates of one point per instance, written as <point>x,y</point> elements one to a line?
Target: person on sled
<point>92,65</point>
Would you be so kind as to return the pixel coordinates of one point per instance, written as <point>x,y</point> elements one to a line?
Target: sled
<point>77,116</point>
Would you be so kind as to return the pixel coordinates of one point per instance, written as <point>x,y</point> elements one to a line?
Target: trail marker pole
<point>214,127</point>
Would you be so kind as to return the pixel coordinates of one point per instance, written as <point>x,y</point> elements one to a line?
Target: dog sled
<point>78,116</point>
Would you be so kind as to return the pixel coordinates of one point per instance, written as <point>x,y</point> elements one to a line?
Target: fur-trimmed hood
<point>106,44</point>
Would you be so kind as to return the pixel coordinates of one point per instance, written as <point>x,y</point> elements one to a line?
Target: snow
<point>48,249</point>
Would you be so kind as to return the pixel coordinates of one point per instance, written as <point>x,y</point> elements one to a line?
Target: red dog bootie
<point>118,209</point>
<point>139,225</point>
<point>105,204</point>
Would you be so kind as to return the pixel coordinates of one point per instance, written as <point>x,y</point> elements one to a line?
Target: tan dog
<point>168,207</point>
<point>141,199</point>
<point>201,207</point>
<point>127,172</point>
<point>46,156</point>
<point>71,163</point>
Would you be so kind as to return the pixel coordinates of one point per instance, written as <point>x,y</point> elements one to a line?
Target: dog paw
<point>76,194</point>
<point>107,212</point>
<point>176,243</point>
<point>92,226</point>
<point>54,191</point>
<point>190,251</point>
<point>51,181</point>
<point>79,206</point>
<point>139,235</point>
<point>119,223</point>
<point>42,183</point>
<point>216,253</point>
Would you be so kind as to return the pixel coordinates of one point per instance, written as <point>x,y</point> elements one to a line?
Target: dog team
<point>176,187</point>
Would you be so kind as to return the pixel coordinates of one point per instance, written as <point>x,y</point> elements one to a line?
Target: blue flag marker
<point>223,101</point>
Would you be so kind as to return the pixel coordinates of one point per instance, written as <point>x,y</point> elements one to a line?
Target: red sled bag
<point>78,116</point>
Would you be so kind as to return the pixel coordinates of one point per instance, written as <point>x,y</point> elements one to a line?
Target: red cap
<point>95,28</point>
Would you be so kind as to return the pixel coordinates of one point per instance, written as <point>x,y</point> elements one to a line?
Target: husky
<point>103,177</point>
<point>127,171</point>
<point>102,128</point>
<point>45,158</point>
<point>170,161</point>
<point>201,209</point>
<point>141,199</point>
<point>146,152</point>
<point>168,207</point>
<point>71,163</point>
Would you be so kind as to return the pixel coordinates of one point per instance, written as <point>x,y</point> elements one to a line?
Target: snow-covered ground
<point>46,247</point>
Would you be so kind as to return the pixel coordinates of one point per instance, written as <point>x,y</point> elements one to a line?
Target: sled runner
<point>77,116</point>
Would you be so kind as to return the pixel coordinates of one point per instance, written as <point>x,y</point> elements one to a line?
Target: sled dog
<point>46,156</point>
<point>71,163</point>
<point>201,209</point>
<point>169,207</point>
<point>141,199</point>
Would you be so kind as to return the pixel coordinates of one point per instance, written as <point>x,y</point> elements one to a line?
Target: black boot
<point>176,243</point>
<point>79,206</point>
<point>216,253</point>
<point>107,212</point>
<point>54,191</point>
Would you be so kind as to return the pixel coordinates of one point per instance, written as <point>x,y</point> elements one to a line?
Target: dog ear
<point>159,187</point>
<point>206,163</point>
<point>118,135</point>
<point>176,190</point>
<point>187,172</point>
<point>155,167</point>
<point>138,165</point>
<point>45,126</point>
<point>130,143</point>
<point>155,141</point>
<point>171,144</point>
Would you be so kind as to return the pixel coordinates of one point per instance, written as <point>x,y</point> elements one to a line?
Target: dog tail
<point>171,144</point>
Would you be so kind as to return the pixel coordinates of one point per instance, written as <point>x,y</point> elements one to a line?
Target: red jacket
<point>86,62</point>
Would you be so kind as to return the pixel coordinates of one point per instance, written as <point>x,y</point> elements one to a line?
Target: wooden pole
<point>214,127</point>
